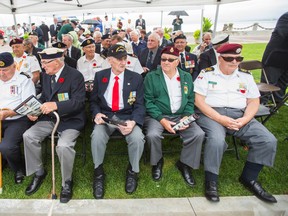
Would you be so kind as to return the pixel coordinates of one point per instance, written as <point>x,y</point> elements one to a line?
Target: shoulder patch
<point>25,74</point>
<point>209,69</point>
<point>244,71</point>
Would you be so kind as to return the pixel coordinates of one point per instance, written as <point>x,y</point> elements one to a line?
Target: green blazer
<point>156,96</point>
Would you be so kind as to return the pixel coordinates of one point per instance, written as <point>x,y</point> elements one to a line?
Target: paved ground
<point>236,206</point>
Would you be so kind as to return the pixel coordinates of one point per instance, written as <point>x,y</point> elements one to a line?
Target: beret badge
<point>2,64</point>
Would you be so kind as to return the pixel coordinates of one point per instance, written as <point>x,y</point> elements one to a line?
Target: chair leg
<point>236,147</point>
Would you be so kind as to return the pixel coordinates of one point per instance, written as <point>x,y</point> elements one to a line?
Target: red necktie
<point>115,95</point>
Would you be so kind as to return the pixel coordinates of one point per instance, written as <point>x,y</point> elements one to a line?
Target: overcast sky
<point>253,10</point>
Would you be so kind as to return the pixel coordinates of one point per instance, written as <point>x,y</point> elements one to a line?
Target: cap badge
<point>88,41</point>
<point>59,45</point>
<point>171,50</point>
<point>2,64</point>
<point>238,50</point>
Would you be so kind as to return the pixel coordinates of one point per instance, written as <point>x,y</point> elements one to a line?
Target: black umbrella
<point>179,13</point>
<point>90,22</point>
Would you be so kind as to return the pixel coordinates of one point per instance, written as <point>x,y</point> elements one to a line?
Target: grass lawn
<point>172,184</point>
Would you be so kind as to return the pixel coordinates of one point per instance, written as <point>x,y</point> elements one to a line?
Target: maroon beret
<point>15,41</point>
<point>230,49</point>
<point>170,50</point>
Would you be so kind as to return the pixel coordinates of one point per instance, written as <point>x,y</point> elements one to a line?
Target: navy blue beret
<point>6,59</point>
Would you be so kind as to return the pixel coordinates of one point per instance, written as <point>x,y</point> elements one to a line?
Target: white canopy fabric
<point>42,6</point>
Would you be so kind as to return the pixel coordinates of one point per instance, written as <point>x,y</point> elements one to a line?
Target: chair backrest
<point>251,65</point>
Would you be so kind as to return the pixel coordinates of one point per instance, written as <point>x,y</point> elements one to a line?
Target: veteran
<point>228,99</point>
<point>169,98</point>
<point>117,94</point>
<point>63,91</point>
<point>15,88</point>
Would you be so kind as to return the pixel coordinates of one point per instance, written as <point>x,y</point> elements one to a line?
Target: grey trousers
<point>100,137</point>
<point>192,141</point>
<point>262,144</point>
<point>65,148</point>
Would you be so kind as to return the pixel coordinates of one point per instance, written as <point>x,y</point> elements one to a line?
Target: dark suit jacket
<point>137,49</point>
<point>54,33</point>
<point>278,42</point>
<point>102,53</point>
<point>75,53</point>
<point>207,59</point>
<point>132,82</point>
<point>144,56</point>
<point>137,23</point>
<point>192,70</point>
<point>72,110</point>
<point>70,62</point>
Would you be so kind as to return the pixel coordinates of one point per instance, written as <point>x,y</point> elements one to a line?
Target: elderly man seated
<point>228,99</point>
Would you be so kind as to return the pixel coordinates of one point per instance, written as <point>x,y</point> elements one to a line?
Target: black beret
<point>34,33</point>
<point>117,51</point>
<point>59,45</point>
<point>87,42</point>
<point>181,36</point>
<point>15,41</point>
<point>6,59</point>
<point>106,36</point>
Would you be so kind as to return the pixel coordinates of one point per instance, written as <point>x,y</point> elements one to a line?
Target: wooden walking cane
<point>54,196</point>
<point>1,159</point>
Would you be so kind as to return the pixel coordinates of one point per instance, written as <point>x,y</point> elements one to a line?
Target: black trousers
<point>12,131</point>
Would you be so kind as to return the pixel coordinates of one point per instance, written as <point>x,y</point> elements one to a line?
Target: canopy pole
<point>201,28</point>
<point>216,18</point>
<point>30,29</point>
<point>161,18</point>
<point>15,23</point>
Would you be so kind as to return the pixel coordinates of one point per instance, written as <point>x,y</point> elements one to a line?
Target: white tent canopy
<point>43,6</point>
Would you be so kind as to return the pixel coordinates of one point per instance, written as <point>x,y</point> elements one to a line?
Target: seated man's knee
<point>153,134</point>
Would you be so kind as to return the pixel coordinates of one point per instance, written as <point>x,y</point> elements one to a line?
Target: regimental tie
<point>182,60</point>
<point>115,95</point>
<point>53,82</point>
<point>149,60</point>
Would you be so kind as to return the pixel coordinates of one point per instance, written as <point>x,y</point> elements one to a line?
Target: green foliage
<point>167,33</point>
<point>26,35</point>
<point>206,26</point>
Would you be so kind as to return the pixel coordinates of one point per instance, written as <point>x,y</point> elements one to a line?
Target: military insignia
<point>88,41</point>
<point>26,65</point>
<point>171,50</point>
<point>238,50</point>
<point>2,64</point>
<point>59,45</point>
<point>63,97</point>
<point>209,69</point>
<point>242,88</point>
<point>244,71</point>
<point>185,88</point>
<point>25,74</point>
<point>14,90</point>
<point>132,97</point>
<point>190,64</point>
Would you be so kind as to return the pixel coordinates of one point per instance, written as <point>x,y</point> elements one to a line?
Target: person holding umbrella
<point>177,23</point>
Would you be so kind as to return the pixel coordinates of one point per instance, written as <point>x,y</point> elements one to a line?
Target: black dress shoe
<point>211,192</point>
<point>131,181</point>
<point>35,184</point>
<point>98,186</point>
<point>19,177</point>
<point>256,188</point>
<point>157,170</point>
<point>66,192</point>
<point>186,173</point>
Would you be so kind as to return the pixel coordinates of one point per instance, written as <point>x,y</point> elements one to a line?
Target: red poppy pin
<point>243,91</point>
<point>94,64</point>
<point>61,80</point>
<point>23,56</point>
<point>187,57</point>
<point>128,62</point>
<point>178,78</point>
<point>104,80</point>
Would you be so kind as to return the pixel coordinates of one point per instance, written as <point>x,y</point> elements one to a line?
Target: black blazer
<point>137,23</point>
<point>144,55</point>
<point>75,53</point>
<point>207,59</point>
<point>54,33</point>
<point>72,109</point>
<point>133,82</point>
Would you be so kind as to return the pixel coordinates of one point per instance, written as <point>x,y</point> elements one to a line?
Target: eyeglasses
<point>230,59</point>
<point>47,62</point>
<point>169,59</point>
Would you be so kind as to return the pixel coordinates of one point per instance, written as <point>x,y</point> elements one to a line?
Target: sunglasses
<point>169,59</point>
<point>230,59</point>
